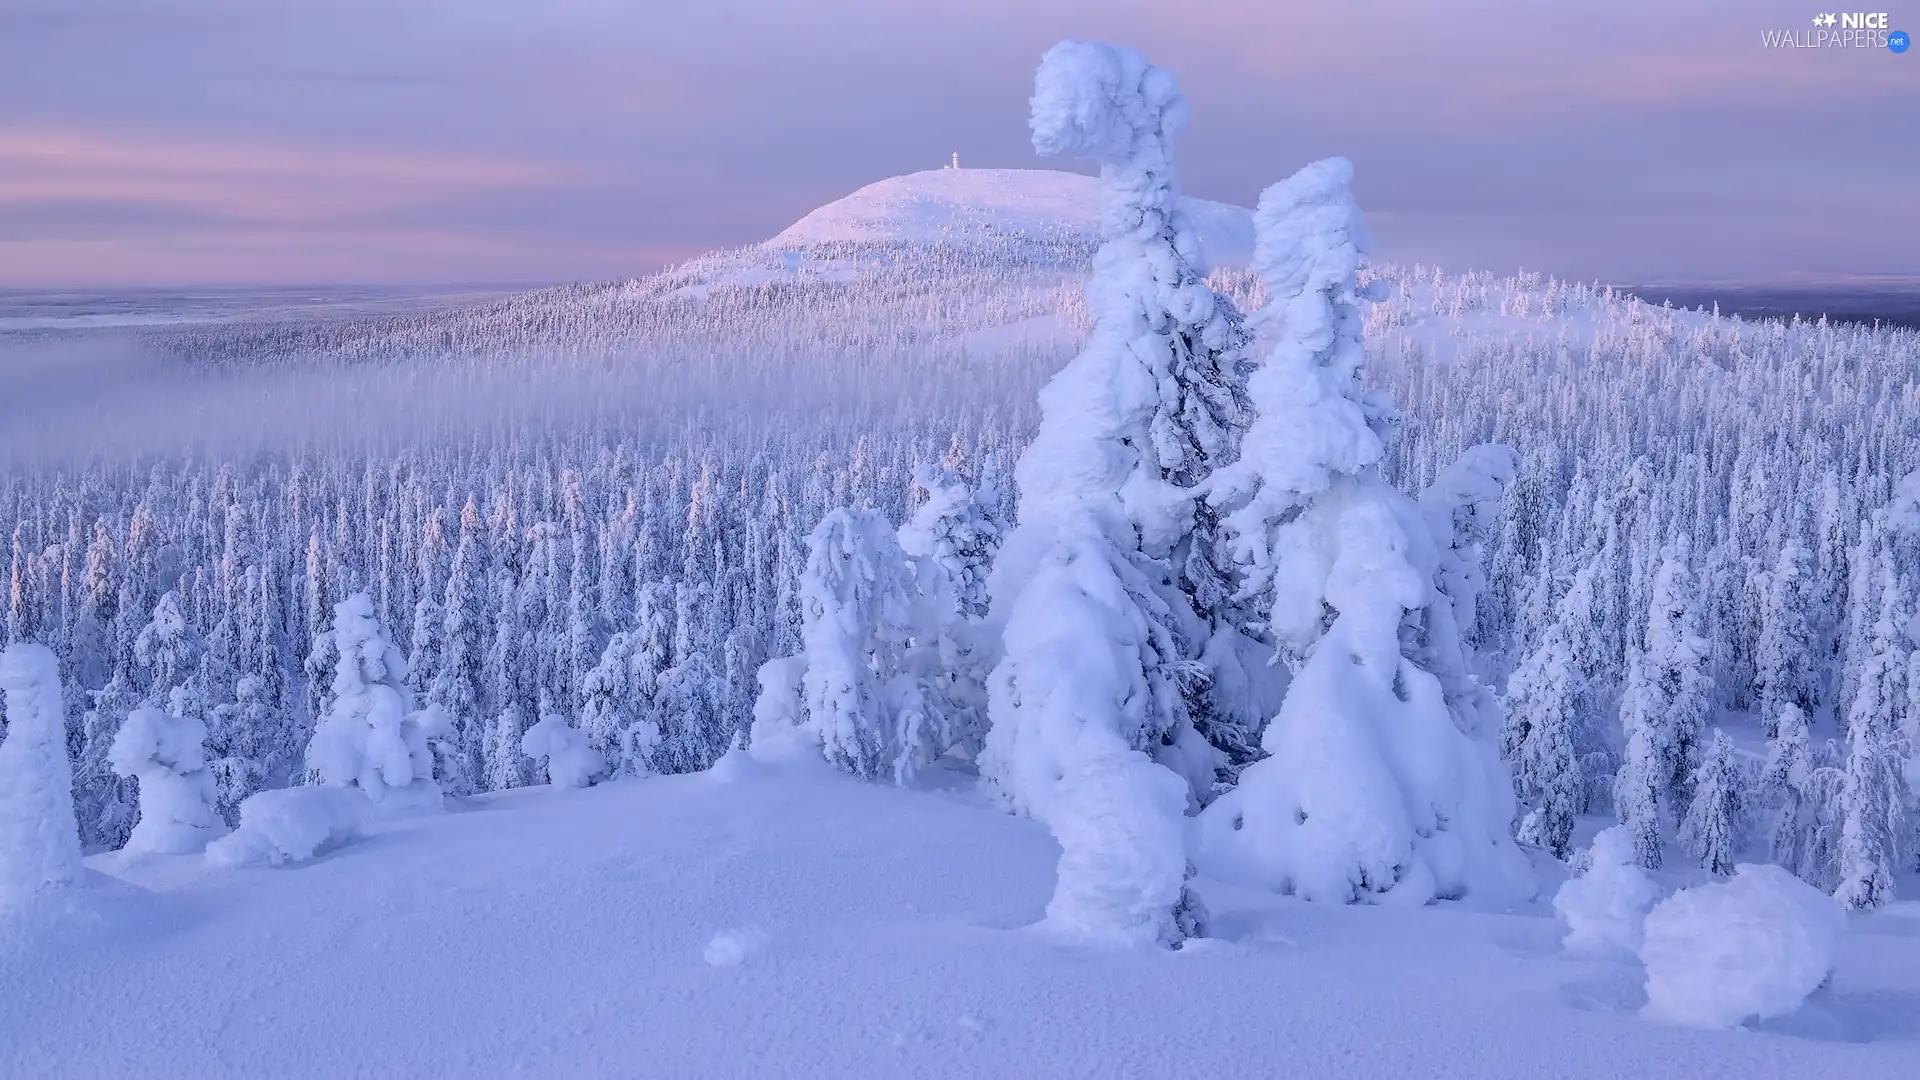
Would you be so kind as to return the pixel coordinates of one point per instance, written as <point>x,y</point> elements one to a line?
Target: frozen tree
<point>1874,799</point>
<point>1715,825</point>
<point>564,752</point>
<point>504,757</point>
<point>245,744</point>
<point>1541,739</point>
<point>1095,669</point>
<point>1640,787</point>
<point>39,845</point>
<point>871,635</point>
<point>456,682</point>
<point>1677,660</point>
<point>958,531</point>
<point>166,753</point>
<point>1798,786</point>
<point>167,649</point>
<point>1373,784</point>
<point>367,736</point>
<point>616,705</point>
<point>1785,665</point>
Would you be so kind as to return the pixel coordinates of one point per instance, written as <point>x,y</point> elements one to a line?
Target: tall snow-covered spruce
<point>1375,786</point>
<point>1098,679</point>
<point>39,841</point>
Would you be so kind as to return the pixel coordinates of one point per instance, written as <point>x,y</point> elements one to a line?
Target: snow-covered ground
<point>794,922</point>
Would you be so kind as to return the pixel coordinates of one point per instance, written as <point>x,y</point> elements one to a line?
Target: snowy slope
<point>960,205</point>
<point>803,924</point>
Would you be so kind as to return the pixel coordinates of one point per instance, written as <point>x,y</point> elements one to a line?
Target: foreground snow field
<point>792,922</point>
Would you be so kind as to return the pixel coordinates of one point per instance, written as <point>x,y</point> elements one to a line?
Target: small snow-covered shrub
<point>167,753</point>
<point>290,825</point>
<point>1605,907</point>
<point>1750,947</point>
<point>569,758</point>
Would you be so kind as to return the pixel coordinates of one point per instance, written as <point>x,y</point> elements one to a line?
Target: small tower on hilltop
<point>955,164</point>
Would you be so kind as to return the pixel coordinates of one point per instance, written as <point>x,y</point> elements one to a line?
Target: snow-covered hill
<point>975,205</point>
<point>761,922</point>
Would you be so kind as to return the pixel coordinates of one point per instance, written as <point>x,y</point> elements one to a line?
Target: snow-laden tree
<point>885,692</point>
<point>167,648</point>
<point>1640,787</point>
<point>616,706</point>
<point>1799,787</point>
<point>1664,708</point>
<point>1714,828</point>
<point>39,844</point>
<point>506,762</point>
<point>1374,785</point>
<point>457,681</point>
<point>166,753</point>
<point>957,531</point>
<point>1786,664</point>
<point>1678,662</point>
<point>246,739</point>
<point>1099,641</point>
<point>1875,810</point>
<point>564,752</point>
<point>367,736</point>
<point>1541,739</point>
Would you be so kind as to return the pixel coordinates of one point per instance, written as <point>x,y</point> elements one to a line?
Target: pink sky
<point>201,141</point>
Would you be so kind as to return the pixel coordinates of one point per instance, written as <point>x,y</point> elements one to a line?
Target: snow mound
<point>1606,907</point>
<point>290,825</point>
<point>729,947</point>
<point>997,205</point>
<point>1753,946</point>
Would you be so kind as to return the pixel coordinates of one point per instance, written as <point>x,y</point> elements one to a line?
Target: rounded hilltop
<point>994,205</point>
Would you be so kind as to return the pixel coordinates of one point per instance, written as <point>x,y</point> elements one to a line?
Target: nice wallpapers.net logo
<point>1842,30</point>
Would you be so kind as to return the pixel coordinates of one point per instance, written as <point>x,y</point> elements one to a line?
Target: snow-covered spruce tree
<point>166,753</point>
<point>167,649</point>
<point>616,705</point>
<point>884,686</point>
<point>1541,739</point>
<point>957,530</point>
<point>245,742</point>
<point>1678,663</point>
<point>456,682</point>
<point>1874,808</point>
<point>367,736</point>
<point>1640,787</point>
<point>1786,671</point>
<point>564,752</point>
<point>1799,786</point>
<point>1716,821</point>
<point>1664,707</point>
<point>39,843</point>
<point>1372,785</point>
<point>1094,647</point>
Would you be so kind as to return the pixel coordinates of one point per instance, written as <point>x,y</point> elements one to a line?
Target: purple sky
<point>190,141</point>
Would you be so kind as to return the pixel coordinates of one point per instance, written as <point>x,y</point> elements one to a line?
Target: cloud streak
<point>490,140</point>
